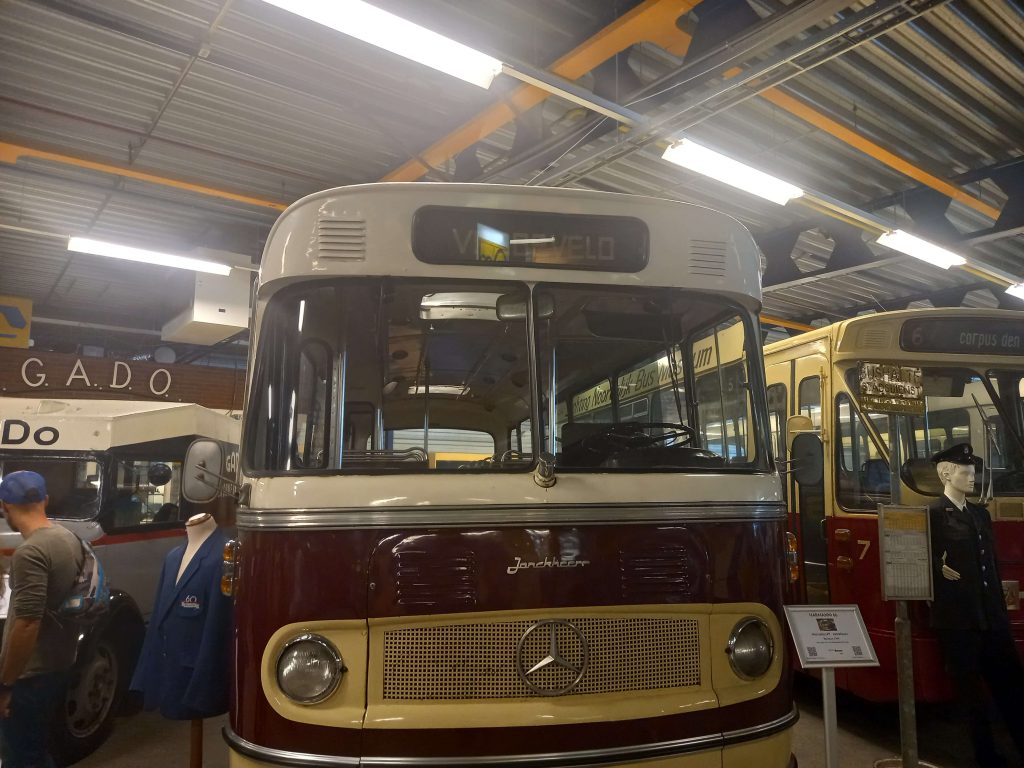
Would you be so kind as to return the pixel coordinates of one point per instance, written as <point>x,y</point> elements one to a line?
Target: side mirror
<point>159,474</point>
<point>807,458</point>
<point>201,479</point>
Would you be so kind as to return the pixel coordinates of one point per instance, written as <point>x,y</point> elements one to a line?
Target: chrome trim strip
<point>282,756</point>
<point>579,759</point>
<point>502,516</point>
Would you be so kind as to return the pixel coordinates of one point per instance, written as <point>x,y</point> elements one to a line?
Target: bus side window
<point>137,501</point>
<point>809,397</point>
<point>862,474</point>
<point>312,407</point>
<point>778,412</point>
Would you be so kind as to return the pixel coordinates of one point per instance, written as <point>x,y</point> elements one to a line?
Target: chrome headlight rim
<point>734,637</point>
<point>336,662</point>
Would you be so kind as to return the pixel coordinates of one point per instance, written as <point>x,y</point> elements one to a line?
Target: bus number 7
<point>865,545</point>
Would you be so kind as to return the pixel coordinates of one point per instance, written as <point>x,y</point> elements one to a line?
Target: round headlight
<point>309,669</point>
<point>750,648</point>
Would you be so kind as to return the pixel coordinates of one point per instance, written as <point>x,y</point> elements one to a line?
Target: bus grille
<point>479,661</point>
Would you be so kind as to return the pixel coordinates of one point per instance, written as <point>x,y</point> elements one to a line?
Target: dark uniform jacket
<point>975,601</point>
<point>184,666</point>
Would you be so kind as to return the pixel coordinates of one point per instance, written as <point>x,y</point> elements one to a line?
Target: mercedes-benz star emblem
<point>568,655</point>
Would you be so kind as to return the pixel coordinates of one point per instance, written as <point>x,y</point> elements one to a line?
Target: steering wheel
<point>630,436</point>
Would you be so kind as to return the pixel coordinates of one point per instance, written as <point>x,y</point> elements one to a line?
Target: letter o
<point>152,381</point>
<point>52,433</point>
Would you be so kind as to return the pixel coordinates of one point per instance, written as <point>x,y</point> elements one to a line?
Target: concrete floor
<point>868,732</point>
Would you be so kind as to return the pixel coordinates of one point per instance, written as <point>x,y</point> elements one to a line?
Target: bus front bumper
<point>766,746</point>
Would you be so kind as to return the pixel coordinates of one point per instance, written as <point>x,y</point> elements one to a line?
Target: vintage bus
<point>460,543</point>
<point>113,472</point>
<point>967,365</point>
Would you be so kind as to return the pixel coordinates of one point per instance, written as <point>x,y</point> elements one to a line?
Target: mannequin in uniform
<point>183,667</point>
<point>197,529</point>
<point>969,611</point>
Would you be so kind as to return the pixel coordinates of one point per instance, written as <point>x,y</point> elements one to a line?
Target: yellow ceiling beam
<point>848,136</point>
<point>11,153</point>
<point>768,320</point>
<point>652,21</point>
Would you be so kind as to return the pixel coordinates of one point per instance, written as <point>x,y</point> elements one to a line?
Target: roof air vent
<point>874,338</point>
<point>707,258</point>
<point>343,238</point>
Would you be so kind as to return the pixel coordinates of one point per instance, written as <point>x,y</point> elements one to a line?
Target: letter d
<point>8,438</point>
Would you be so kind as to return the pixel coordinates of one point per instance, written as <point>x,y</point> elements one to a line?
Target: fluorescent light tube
<point>393,33</point>
<point>1016,290</point>
<point>904,242</point>
<point>532,241</point>
<point>732,172</point>
<point>115,251</point>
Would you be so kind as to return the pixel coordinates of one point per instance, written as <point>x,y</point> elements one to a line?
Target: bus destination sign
<point>890,388</point>
<point>963,335</point>
<point>486,237</point>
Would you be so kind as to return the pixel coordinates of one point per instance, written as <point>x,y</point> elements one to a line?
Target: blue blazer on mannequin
<point>184,666</point>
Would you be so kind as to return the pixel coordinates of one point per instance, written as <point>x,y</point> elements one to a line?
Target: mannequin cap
<point>961,453</point>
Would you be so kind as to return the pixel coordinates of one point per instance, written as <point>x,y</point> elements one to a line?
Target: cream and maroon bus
<point>460,544</point>
<point>948,376</point>
<point>113,473</point>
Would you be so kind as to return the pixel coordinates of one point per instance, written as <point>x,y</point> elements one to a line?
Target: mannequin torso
<point>198,529</point>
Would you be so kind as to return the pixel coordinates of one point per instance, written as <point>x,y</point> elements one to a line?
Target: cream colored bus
<point>945,376</point>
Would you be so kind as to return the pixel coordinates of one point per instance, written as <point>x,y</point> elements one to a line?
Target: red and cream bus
<point>113,473</point>
<point>460,543</point>
<point>967,366</point>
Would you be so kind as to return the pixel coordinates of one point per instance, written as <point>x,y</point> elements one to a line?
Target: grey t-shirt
<point>43,569</point>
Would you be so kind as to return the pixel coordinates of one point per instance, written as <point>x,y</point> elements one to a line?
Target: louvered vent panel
<point>656,574</point>
<point>874,338</point>
<point>707,258</point>
<point>341,238</point>
<point>425,579</point>
<point>452,662</point>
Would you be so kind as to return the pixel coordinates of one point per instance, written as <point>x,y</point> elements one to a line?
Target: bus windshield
<point>961,405</point>
<point>400,375</point>
<point>645,378</point>
<point>72,484</point>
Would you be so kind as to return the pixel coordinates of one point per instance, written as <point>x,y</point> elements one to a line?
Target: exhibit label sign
<point>830,636</point>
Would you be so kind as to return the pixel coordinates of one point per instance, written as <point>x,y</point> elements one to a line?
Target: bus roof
<point>96,425</point>
<point>368,230</point>
<point>878,336</point>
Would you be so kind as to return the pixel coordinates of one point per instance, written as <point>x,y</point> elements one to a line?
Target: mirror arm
<point>203,471</point>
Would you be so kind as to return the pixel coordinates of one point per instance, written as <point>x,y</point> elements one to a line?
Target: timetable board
<point>904,552</point>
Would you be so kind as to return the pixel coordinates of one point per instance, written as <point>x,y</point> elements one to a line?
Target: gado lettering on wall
<point>33,374</point>
<point>42,374</point>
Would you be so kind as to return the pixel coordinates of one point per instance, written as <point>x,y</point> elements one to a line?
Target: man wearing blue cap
<point>37,649</point>
<point>969,610</point>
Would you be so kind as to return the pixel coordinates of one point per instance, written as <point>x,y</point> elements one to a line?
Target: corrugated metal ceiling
<point>244,97</point>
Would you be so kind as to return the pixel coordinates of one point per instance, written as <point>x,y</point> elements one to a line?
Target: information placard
<point>830,636</point>
<point>904,552</point>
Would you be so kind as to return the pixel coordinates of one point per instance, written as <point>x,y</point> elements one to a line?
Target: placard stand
<point>826,637</point>
<point>195,744</point>
<point>904,553</point>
